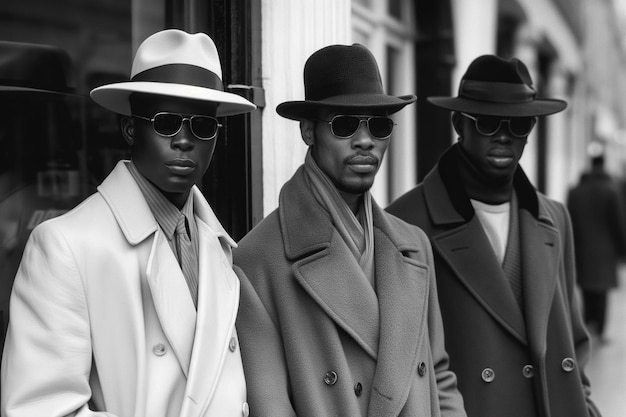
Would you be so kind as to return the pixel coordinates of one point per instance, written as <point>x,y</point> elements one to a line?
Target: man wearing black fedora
<point>126,305</point>
<point>339,312</point>
<point>503,254</point>
<point>37,149</point>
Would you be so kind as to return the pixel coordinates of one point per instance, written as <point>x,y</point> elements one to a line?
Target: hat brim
<point>12,89</point>
<point>115,96</point>
<point>298,110</point>
<point>537,107</point>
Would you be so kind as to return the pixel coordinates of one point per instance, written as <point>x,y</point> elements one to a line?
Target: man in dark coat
<point>503,254</point>
<point>339,313</point>
<point>597,212</point>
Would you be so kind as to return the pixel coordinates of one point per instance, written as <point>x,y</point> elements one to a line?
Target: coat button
<point>488,375</point>
<point>233,344</point>
<point>568,364</point>
<point>330,378</point>
<point>421,369</point>
<point>245,409</point>
<point>159,349</point>
<point>528,371</point>
<point>358,389</point>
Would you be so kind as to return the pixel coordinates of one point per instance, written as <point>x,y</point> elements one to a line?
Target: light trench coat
<point>102,323</point>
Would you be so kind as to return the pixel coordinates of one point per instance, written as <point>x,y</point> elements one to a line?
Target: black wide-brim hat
<point>34,68</point>
<point>342,76</point>
<point>494,86</point>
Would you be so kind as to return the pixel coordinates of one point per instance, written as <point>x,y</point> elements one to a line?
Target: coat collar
<point>306,227</point>
<point>455,206</point>
<point>132,213</point>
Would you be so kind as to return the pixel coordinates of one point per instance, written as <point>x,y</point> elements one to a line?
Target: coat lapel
<point>334,279</point>
<point>169,290</point>
<point>463,249</point>
<point>218,302</point>
<point>541,249</point>
<point>325,267</point>
<point>402,286</point>
<point>172,300</point>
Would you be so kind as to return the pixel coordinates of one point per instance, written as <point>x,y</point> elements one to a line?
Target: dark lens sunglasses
<point>345,126</point>
<point>520,127</point>
<point>169,124</point>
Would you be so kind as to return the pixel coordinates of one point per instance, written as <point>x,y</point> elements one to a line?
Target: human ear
<point>307,130</point>
<point>128,130</point>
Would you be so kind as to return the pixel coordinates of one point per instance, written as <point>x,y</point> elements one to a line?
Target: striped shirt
<point>166,213</point>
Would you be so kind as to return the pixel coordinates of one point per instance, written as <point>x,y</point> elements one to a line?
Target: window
<point>387,29</point>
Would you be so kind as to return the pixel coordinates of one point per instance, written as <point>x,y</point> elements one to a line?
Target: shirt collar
<point>165,213</point>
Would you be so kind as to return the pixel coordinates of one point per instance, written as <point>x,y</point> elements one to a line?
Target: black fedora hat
<point>497,87</point>
<point>342,76</point>
<point>34,68</point>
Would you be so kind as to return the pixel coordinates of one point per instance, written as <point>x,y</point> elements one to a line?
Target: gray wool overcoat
<point>317,340</point>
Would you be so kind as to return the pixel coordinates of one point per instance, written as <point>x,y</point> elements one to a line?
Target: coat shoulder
<point>260,246</point>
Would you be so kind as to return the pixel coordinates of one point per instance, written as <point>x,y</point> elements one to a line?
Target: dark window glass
<point>55,149</point>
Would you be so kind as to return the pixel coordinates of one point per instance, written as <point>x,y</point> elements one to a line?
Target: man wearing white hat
<point>126,305</point>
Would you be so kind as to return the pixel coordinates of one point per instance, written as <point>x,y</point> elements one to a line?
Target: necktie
<point>186,258</point>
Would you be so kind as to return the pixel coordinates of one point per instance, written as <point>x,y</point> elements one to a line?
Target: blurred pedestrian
<point>504,255</point>
<point>339,312</point>
<point>126,305</point>
<point>597,211</point>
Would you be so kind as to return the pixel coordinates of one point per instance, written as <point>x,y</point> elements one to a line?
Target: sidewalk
<point>607,367</point>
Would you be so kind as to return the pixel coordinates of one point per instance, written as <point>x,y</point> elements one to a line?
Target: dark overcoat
<point>317,340</point>
<point>508,363</point>
<point>597,214</point>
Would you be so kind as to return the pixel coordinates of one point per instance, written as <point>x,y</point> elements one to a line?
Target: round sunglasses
<point>520,127</point>
<point>344,126</point>
<point>169,124</point>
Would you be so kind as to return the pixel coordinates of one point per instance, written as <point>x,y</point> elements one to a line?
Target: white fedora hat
<point>174,63</point>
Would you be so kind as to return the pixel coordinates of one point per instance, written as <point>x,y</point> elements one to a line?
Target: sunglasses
<point>169,124</point>
<point>519,127</point>
<point>345,126</point>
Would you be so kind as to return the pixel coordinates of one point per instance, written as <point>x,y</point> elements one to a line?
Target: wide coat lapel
<point>170,294</point>
<point>541,249</point>
<point>463,246</point>
<point>172,300</point>
<point>325,267</point>
<point>218,302</point>
<point>402,285</point>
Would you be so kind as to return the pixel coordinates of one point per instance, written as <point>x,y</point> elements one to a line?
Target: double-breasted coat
<point>508,361</point>
<point>318,340</point>
<point>102,323</point>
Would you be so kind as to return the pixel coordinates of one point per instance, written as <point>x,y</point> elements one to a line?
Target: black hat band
<point>496,92</point>
<point>181,74</point>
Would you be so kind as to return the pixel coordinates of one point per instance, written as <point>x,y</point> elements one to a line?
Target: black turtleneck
<point>459,176</point>
<point>481,187</point>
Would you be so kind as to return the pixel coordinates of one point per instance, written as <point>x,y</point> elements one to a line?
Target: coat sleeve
<point>582,343</point>
<point>263,357</point>
<point>450,399</point>
<point>47,358</point>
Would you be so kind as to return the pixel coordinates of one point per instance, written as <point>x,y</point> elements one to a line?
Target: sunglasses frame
<point>182,122</point>
<point>363,118</point>
<point>503,119</point>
